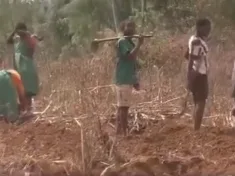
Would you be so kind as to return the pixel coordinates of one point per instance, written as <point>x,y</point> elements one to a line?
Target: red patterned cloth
<point>32,41</point>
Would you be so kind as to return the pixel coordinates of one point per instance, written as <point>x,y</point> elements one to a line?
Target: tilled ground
<point>167,147</point>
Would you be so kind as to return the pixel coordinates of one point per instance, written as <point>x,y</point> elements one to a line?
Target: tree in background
<point>71,24</point>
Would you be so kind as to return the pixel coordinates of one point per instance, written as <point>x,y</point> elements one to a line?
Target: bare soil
<point>167,146</point>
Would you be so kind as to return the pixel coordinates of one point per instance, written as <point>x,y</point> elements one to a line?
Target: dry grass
<point>81,88</point>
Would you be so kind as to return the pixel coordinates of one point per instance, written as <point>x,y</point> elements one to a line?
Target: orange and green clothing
<point>11,92</point>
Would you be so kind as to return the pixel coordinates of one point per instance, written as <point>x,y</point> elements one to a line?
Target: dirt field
<point>160,142</point>
<point>169,147</point>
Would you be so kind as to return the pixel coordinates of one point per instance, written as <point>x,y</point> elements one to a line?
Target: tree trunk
<point>123,9</point>
<point>132,6</point>
<point>115,15</point>
<point>143,10</point>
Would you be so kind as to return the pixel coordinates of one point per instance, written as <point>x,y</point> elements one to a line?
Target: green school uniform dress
<point>26,67</point>
<point>126,73</point>
<point>8,97</point>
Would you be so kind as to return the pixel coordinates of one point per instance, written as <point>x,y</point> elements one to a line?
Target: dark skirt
<point>198,85</point>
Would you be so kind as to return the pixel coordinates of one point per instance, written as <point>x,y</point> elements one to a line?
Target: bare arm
<point>22,96</point>
<point>19,87</point>
<point>10,39</point>
<point>37,37</point>
<point>134,52</point>
<point>233,74</point>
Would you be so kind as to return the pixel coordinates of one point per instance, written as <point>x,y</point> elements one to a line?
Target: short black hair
<point>21,26</point>
<point>124,23</point>
<point>202,22</point>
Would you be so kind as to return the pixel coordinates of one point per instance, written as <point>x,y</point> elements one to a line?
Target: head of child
<point>21,26</point>
<point>127,27</point>
<point>203,27</point>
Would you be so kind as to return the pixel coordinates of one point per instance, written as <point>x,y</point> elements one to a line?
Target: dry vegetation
<point>76,132</point>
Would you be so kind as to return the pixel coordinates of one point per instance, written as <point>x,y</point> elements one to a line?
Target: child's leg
<point>119,110</point>
<point>200,94</point>
<point>123,100</point>
<point>29,102</point>
<point>118,121</point>
<point>233,96</point>
<point>29,97</point>
<point>198,114</point>
<point>124,120</point>
<point>233,110</point>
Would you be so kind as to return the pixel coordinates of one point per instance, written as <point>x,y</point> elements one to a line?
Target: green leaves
<point>227,9</point>
<point>76,22</point>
